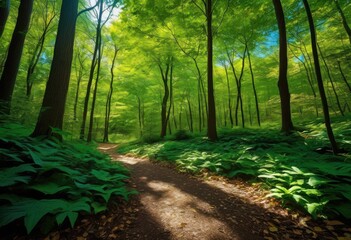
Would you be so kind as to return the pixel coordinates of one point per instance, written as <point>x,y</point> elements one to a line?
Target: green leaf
<point>98,207</point>
<point>10,176</point>
<point>49,187</point>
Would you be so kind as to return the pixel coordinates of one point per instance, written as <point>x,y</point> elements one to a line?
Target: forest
<point>255,94</point>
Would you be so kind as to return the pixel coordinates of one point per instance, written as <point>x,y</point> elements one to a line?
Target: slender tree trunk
<point>38,51</point>
<point>344,77</point>
<point>331,81</point>
<point>287,125</point>
<point>91,74</point>
<point>190,122</point>
<point>319,79</point>
<point>140,117</point>
<point>238,80</point>
<point>229,97</point>
<point>92,111</point>
<point>211,119</point>
<point>79,79</point>
<point>344,22</point>
<point>52,109</point>
<point>254,89</point>
<point>164,75</point>
<point>9,74</point>
<point>170,99</point>
<point>109,98</point>
<point>4,13</point>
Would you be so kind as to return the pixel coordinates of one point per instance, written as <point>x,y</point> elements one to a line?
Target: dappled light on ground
<point>175,205</point>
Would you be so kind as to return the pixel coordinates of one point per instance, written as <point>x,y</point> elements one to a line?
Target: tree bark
<point>52,109</point>
<point>319,78</point>
<point>229,97</point>
<point>109,98</point>
<point>9,74</point>
<point>287,125</point>
<point>254,90</point>
<point>91,76</point>
<point>164,75</point>
<point>190,119</point>
<point>211,119</point>
<point>4,13</point>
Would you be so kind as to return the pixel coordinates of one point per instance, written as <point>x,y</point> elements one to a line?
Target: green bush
<point>151,138</point>
<point>182,135</point>
<point>288,165</point>
<point>42,179</point>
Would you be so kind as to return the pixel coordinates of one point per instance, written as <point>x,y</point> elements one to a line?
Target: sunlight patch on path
<point>169,203</point>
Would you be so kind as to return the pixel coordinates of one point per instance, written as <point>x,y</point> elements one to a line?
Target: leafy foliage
<point>44,177</point>
<point>290,166</point>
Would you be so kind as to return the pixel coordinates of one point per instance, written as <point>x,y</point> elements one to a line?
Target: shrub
<point>182,135</point>
<point>41,180</point>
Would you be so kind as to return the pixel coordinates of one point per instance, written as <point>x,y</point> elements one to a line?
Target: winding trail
<point>173,205</point>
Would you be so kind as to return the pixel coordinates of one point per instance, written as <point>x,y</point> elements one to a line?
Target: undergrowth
<point>298,169</point>
<point>45,183</point>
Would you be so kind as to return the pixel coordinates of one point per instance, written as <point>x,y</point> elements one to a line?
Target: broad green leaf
<point>11,176</point>
<point>49,187</point>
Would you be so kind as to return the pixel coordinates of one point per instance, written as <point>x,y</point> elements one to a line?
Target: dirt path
<point>172,205</point>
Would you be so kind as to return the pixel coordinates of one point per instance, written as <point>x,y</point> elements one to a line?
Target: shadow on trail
<point>177,206</point>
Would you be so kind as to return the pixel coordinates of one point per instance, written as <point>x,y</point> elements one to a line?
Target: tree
<point>167,75</point>
<point>319,78</point>
<point>211,118</point>
<point>53,106</point>
<point>8,77</point>
<point>4,13</point>
<point>48,20</point>
<point>287,125</point>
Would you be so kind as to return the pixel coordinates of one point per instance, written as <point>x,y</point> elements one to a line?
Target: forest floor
<point>172,205</point>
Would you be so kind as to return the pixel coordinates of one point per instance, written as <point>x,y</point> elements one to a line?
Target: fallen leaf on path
<point>333,222</point>
<point>183,225</point>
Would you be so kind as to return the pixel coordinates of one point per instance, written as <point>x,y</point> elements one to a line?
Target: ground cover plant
<point>45,182</point>
<point>299,169</point>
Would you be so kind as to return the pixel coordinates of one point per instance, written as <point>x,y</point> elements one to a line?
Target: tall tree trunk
<point>109,98</point>
<point>92,111</point>
<point>164,75</point>
<point>9,74</point>
<point>170,99</point>
<point>38,50</point>
<point>319,78</point>
<point>190,121</point>
<point>344,77</point>
<point>79,79</point>
<point>52,109</point>
<point>238,80</point>
<point>344,22</point>
<point>229,97</point>
<point>331,81</point>
<point>254,90</point>
<point>4,13</point>
<point>211,119</point>
<point>91,74</point>
<point>287,125</point>
<point>140,117</point>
